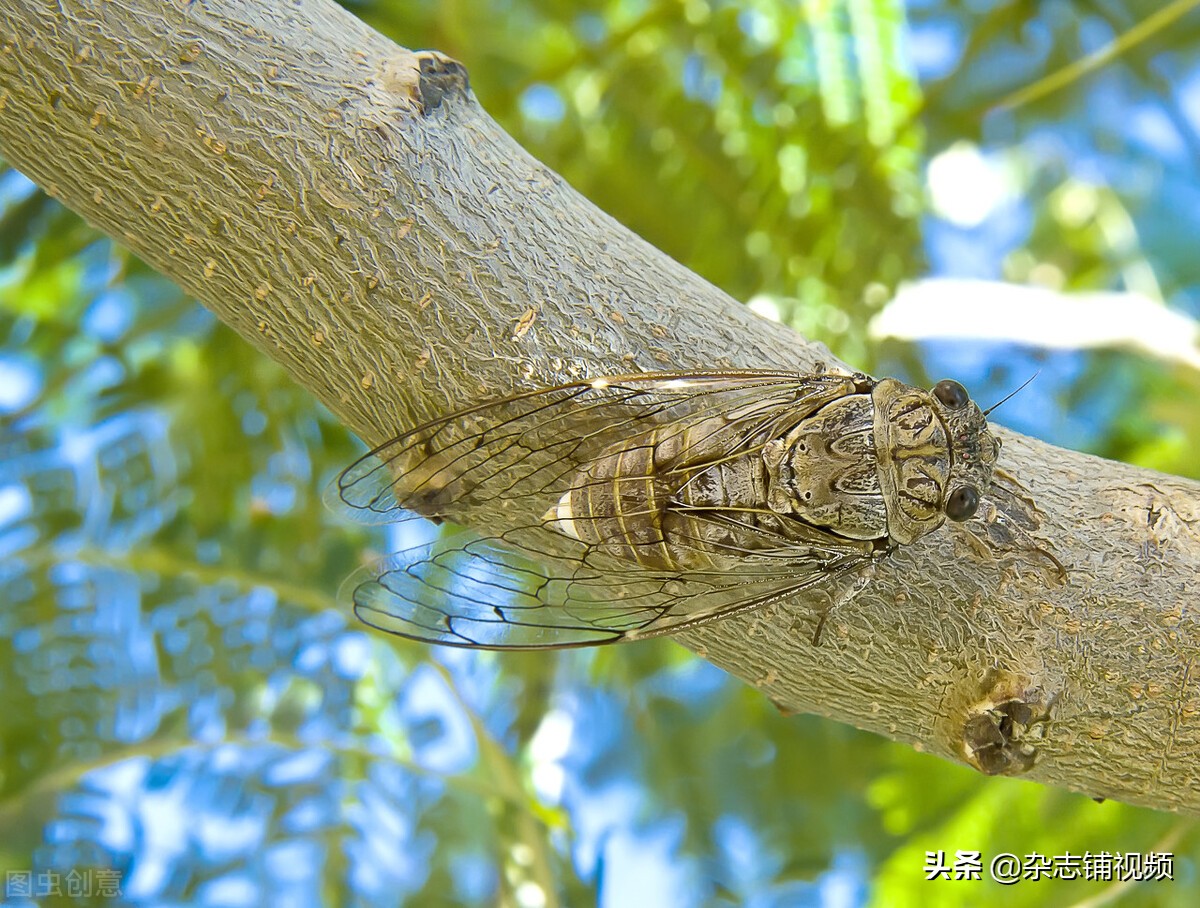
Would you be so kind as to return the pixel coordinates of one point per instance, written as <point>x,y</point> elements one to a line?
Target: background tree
<point>168,590</point>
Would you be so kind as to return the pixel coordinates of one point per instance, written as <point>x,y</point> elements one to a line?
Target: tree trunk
<point>346,206</point>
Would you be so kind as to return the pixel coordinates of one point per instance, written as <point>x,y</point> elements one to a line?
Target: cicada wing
<point>526,449</point>
<point>479,592</point>
<point>532,589</point>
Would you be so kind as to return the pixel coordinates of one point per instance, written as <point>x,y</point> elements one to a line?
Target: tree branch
<point>347,207</point>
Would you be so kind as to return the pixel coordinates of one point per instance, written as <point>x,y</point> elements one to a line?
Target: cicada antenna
<point>1009,397</point>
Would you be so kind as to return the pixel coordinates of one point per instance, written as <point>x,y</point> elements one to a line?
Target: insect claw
<point>816,637</point>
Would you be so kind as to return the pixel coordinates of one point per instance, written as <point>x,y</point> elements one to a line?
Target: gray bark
<point>347,207</point>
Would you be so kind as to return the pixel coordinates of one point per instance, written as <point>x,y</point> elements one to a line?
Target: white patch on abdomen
<point>563,516</point>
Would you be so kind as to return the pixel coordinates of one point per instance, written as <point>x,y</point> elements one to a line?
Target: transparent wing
<point>527,449</point>
<point>533,589</point>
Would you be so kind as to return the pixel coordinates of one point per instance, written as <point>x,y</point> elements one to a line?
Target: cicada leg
<point>860,577</point>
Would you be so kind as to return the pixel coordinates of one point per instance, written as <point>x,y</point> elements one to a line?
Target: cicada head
<point>973,449</point>
<point>935,456</point>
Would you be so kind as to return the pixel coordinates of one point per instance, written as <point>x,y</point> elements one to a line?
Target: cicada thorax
<point>825,471</point>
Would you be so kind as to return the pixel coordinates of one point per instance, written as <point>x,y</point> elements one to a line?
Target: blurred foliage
<point>185,706</point>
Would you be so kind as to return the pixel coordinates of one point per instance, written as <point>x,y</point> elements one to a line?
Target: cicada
<point>668,500</point>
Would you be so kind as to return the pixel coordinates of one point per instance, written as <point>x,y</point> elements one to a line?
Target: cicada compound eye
<point>962,503</point>
<point>951,393</point>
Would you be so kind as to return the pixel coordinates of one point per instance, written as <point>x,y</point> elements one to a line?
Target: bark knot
<point>439,78</point>
<point>1002,730</point>
<point>425,79</point>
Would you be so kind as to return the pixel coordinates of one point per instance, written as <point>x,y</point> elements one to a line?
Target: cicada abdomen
<point>672,499</point>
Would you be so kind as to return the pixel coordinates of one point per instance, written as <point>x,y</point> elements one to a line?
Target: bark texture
<point>346,206</point>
